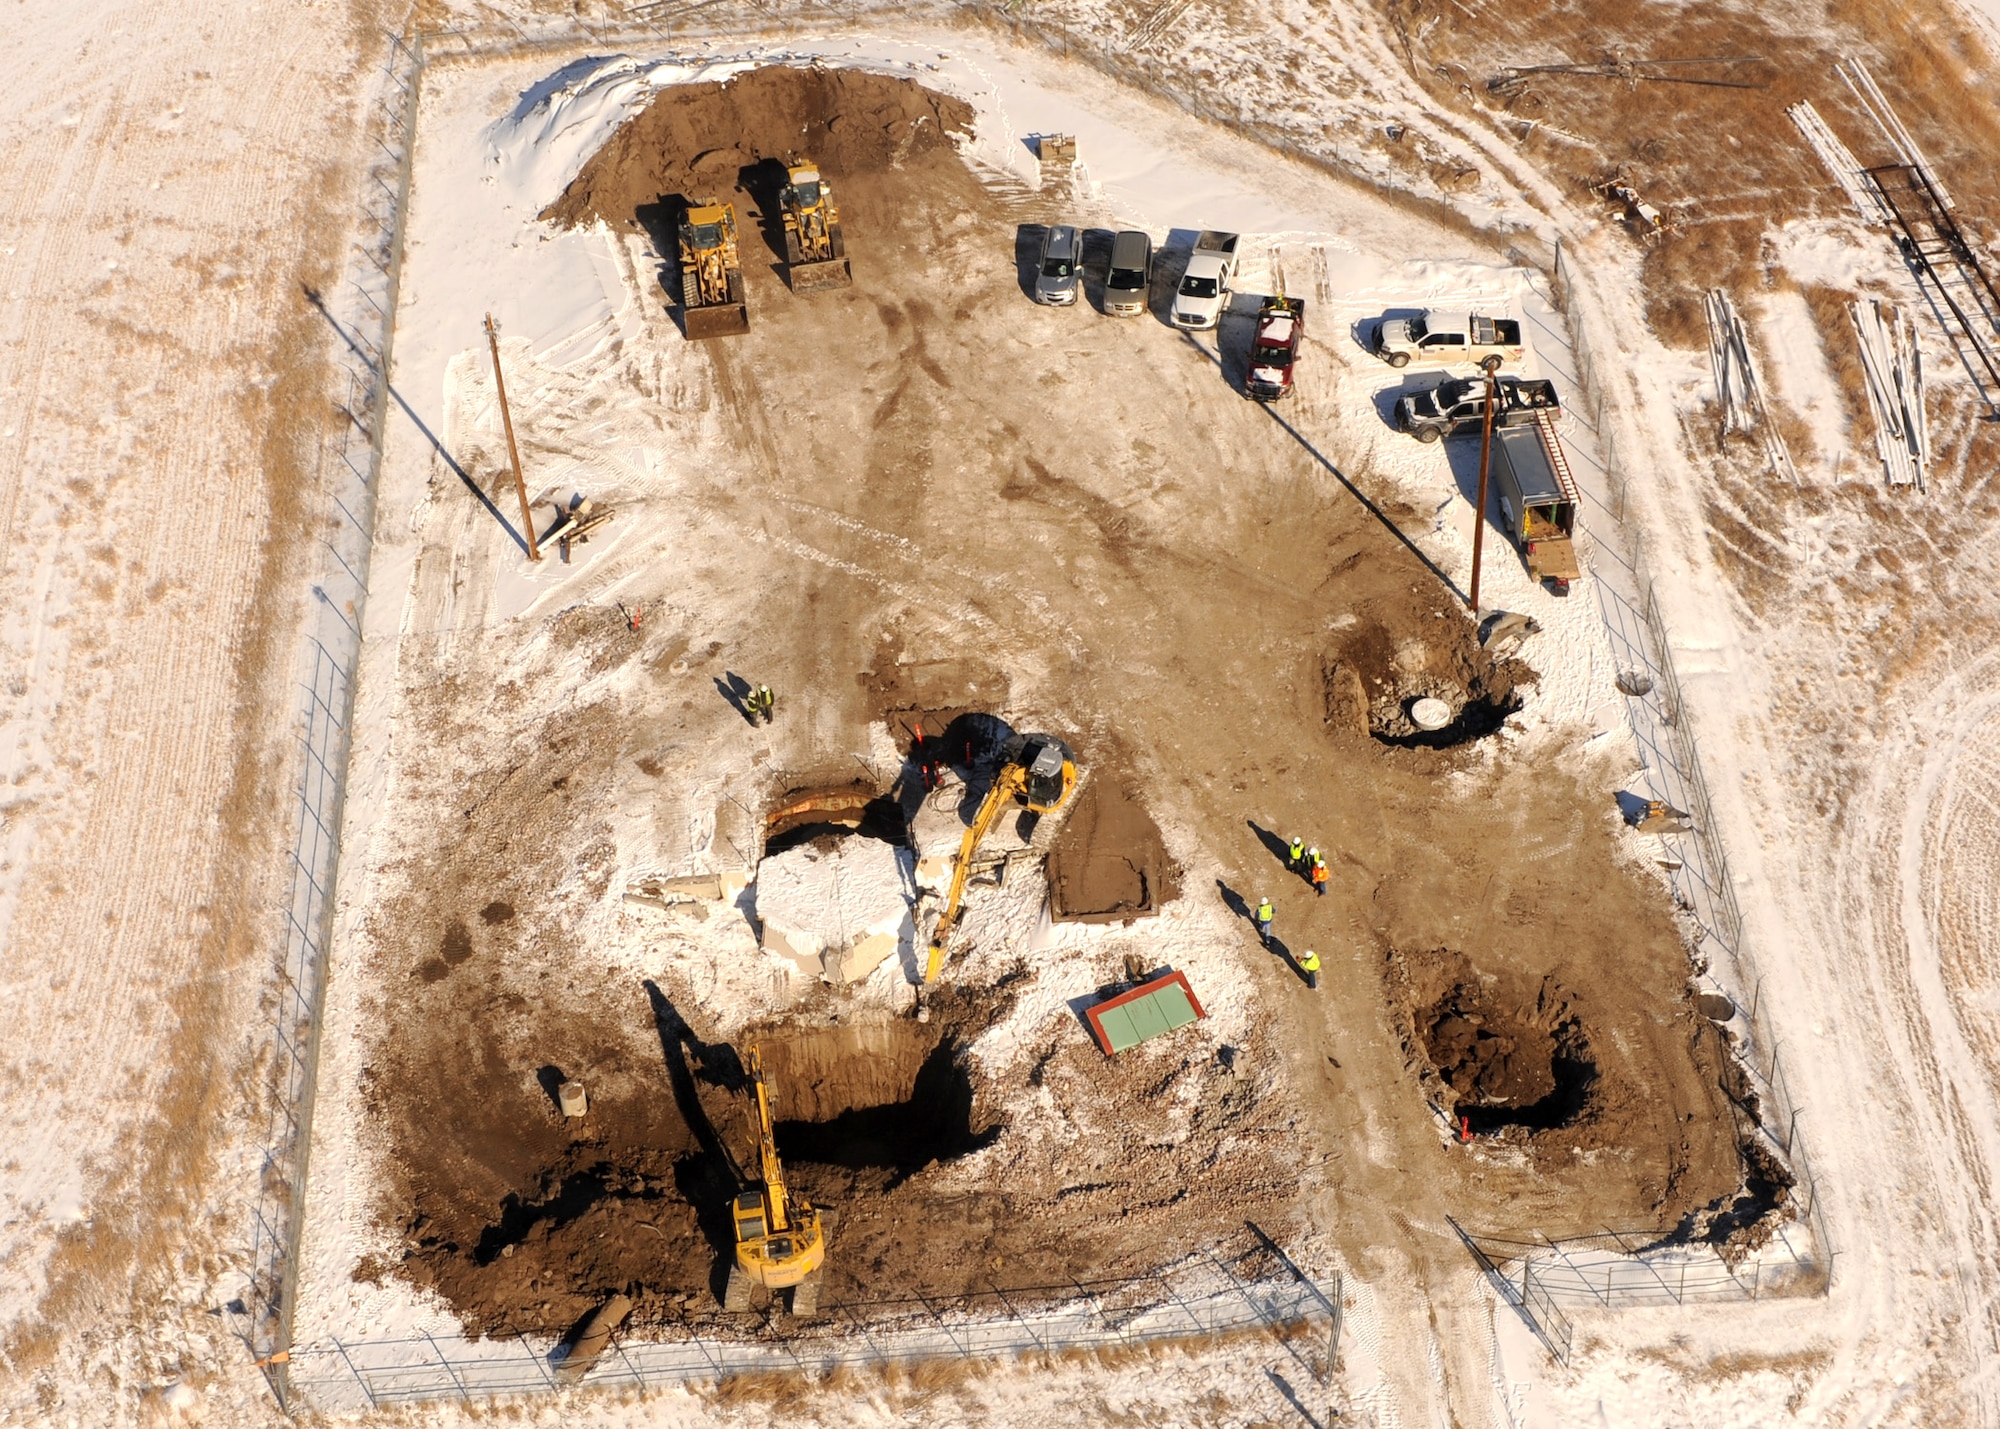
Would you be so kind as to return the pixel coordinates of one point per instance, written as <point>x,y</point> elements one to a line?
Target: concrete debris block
<point>573,1099</point>
<point>861,959</point>
<point>840,910</point>
<point>801,947</point>
<point>699,885</point>
<point>940,823</point>
<point>734,881</point>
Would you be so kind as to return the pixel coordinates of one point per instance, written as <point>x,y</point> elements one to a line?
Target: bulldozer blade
<point>722,320</point>
<point>817,277</point>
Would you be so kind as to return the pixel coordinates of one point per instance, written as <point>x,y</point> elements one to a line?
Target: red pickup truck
<point>1281,327</point>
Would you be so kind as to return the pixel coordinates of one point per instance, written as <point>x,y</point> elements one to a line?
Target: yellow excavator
<point>1036,769</point>
<point>815,255</point>
<point>780,1238</point>
<point>712,302</point>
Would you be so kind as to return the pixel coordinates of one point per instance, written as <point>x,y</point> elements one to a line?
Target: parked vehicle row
<point>1127,283</point>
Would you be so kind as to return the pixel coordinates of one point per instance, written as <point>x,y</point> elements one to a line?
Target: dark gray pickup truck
<point>1459,406</point>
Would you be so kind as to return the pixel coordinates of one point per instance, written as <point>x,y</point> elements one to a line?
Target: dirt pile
<point>696,140</point>
<point>1109,864</point>
<point>1373,675</point>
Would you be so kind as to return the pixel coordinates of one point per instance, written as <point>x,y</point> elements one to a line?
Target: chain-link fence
<point>1626,1269</point>
<point>361,312</point>
<point>1200,1302</point>
<point>1622,1270</point>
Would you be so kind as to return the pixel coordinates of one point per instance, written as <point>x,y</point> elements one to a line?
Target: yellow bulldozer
<point>1039,771</point>
<point>815,255</point>
<point>780,1238</point>
<point>711,273</point>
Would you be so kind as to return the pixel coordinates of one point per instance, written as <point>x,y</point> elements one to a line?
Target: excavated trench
<point>634,1197</point>
<point>1374,676</point>
<point>1506,1066</point>
<point>822,815</point>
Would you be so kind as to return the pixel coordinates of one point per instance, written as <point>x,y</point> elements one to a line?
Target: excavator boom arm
<point>767,1147</point>
<point>1009,782</point>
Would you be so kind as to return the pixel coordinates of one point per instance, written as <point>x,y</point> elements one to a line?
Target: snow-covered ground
<point>156,162</point>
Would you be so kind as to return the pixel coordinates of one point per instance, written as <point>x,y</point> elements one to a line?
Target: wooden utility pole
<point>1479,511</point>
<point>521,482</point>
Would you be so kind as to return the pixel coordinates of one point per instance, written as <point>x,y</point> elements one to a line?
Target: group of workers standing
<point>1307,863</point>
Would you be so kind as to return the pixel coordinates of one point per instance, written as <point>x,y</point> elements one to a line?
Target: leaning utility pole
<point>1479,511</point>
<point>514,452</point>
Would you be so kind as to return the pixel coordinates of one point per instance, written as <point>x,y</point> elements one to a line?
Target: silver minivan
<point>1126,286</point>
<point>1062,254</point>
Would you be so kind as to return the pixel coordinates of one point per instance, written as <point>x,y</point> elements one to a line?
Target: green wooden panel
<point>1146,1018</point>
<point>1175,1009</point>
<point>1117,1025</point>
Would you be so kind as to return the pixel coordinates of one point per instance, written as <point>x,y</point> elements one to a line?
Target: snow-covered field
<point>171,177</point>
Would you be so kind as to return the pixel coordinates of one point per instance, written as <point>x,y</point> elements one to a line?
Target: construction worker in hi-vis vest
<point>1264,920</point>
<point>1309,965</point>
<point>1297,851</point>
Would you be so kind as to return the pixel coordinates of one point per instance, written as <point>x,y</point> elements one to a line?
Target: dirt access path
<point>169,182</point>
<point>936,495</point>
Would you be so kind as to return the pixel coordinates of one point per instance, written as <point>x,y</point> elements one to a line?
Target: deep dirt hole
<point>932,1122</point>
<point>822,816</point>
<point>1507,1066</point>
<point>1373,676</point>
<point>634,1197</point>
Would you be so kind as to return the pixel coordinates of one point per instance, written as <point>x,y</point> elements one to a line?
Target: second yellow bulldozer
<point>712,302</point>
<point>815,255</point>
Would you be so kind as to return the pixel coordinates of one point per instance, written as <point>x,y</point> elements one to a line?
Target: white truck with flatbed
<point>1204,287</point>
<point>1451,338</point>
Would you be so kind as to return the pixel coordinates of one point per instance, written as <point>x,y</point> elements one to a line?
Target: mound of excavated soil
<point>696,139</point>
<point>1109,864</point>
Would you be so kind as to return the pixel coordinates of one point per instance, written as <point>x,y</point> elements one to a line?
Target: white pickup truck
<point>1450,338</point>
<point>1204,287</point>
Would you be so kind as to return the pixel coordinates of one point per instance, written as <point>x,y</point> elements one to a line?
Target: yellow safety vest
<point>1310,962</point>
<point>1264,912</point>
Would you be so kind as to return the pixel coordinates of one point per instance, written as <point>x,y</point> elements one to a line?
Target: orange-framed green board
<point>1152,1009</point>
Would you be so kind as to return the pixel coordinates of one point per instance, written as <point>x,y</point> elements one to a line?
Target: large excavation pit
<point>634,1196</point>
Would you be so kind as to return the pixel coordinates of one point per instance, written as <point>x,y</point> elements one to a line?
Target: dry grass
<point>1829,307</point>
<point>150,1221</point>
<point>1725,162</point>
